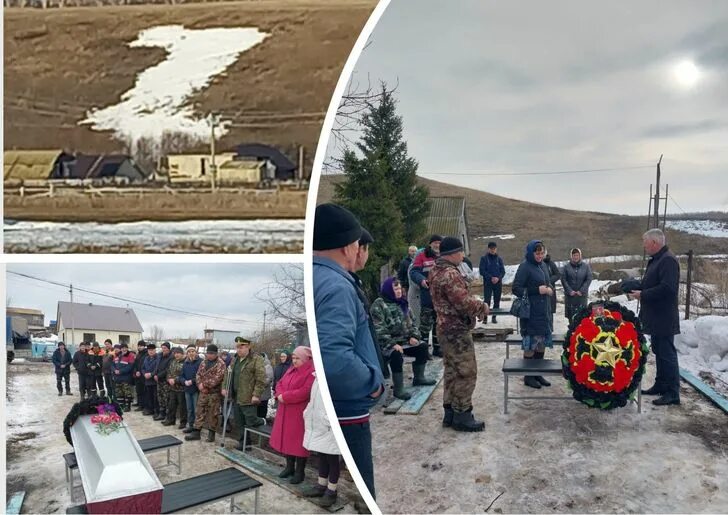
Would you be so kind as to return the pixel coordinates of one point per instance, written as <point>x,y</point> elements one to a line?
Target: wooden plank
<point>393,406</point>
<point>706,390</point>
<point>421,394</point>
<point>15,503</point>
<point>269,471</point>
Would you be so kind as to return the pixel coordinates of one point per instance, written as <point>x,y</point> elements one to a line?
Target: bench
<point>517,339</point>
<point>539,367</point>
<point>263,431</point>
<point>147,445</point>
<point>200,490</point>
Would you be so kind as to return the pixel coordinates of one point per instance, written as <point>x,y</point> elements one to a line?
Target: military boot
<point>420,379</point>
<point>288,471</point>
<point>299,474</point>
<point>159,416</point>
<point>169,422</point>
<point>464,421</point>
<point>194,435</point>
<point>398,383</point>
<point>210,436</point>
<point>447,418</point>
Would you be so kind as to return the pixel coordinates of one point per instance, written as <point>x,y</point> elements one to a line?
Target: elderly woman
<point>293,392</point>
<point>533,280</point>
<point>398,337</point>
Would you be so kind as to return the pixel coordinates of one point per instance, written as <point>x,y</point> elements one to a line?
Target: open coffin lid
<point>115,473</point>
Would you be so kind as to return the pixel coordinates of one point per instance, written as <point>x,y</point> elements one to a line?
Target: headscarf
<point>388,293</point>
<point>302,353</point>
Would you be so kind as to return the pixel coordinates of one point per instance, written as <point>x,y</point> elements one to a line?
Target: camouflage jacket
<point>248,379</point>
<point>210,377</point>
<point>173,372</point>
<point>391,325</point>
<point>456,309</point>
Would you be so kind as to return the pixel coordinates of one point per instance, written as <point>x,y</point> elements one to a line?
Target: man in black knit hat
<point>423,263</point>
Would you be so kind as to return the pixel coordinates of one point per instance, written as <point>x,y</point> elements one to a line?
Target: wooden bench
<point>147,445</point>
<point>205,489</point>
<point>516,339</point>
<point>539,367</point>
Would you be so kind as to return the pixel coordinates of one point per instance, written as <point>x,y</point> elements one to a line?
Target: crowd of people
<point>430,296</point>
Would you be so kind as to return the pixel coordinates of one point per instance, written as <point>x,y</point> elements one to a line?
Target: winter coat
<point>403,271</point>
<point>529,277</point>
<point>173,372</point>
<point>491,266</point>
<point>318,436</point>
<point>79,362</point>
<point>353,370</point>
<point>393,327</point>
<point>125,366</point>
<point>150,365</point>
<point>421,266</point>
<point>210,375</point>
<point>367,307</point>
<point>58,360</point>
<point>248,378</point>
<point>95,363</point>
<point>138,362</point>
<point>107,362</point>
<point>279,370</point>
<point>163,367</point>
<point>457,310</point>
<point>288,427</point>
<point>658,301</point>
<point>267,393</point>
<point>554,275</point>
<point>576,277</point>
<point>189,373</point>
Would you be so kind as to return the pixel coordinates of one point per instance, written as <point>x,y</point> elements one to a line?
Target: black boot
<point>493,319</point>
<point>654,390</point>
<point>436,350</point>
<point>194,435</point>
<point>60,393</point>
<point>447,419</point>
<point>420,379</point>
<point>540,379</point>
<point>188,430</point>
<point>182,425</point>
<point>68,392</point>
<point>329,498</point>
<point>299,474</point>
<point>398,383</point>
<point>316,490</point>
<point>531,380</point>
<point>666,399</point>
<point>169,422</point>
<point>290,464</point>
<point>464,421</point>
<point>210,436</point>
<point>160,415</point>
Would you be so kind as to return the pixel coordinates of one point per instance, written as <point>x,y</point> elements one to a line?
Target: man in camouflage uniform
<point>247,381</point>
<point>457,311</point>
<point>176,395</point>
<point>160,376</point>
<point>209,382</point>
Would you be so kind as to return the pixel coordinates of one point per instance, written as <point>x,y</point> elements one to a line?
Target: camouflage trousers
<point>124,392</point>
<point>428,322</point>
<point>207,411</point>
<point>163,395</point>
<point>461,370</point>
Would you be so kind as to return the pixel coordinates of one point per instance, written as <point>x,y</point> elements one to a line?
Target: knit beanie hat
<point>434,238</point>
<point>450,245</point>
<point>334,227</point>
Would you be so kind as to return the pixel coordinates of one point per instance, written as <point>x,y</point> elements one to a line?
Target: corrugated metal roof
<point>445,215</point>
<point>29,164</point>
<point>102,318</point>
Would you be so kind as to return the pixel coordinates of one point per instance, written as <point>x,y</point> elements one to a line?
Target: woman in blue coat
<point>533,279</point>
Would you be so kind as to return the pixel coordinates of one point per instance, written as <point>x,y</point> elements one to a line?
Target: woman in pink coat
<point>293,391</point>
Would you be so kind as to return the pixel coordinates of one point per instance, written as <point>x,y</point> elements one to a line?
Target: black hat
<point>450,245</point>
<point>108,340</point>
<point>492,245</point>
<point>96,344</point>
<point>435,237</point>
<point>167,344</point>
<point>124,345</point>
<point>212,348</point>
<point>151,346</point>
<point>178,349</point>
<point>334,227</point>
<point>366,238</point>
<point>141,342</point>
<point>117,346</point>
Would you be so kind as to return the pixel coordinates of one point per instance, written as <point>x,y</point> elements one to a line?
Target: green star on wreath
<point>604,355</point>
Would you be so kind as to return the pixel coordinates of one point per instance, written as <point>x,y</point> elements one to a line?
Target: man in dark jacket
<point>423,263</point>
<point>659,315</point>
<point>62,362</point>
<point>492,270</point>
<point>138,377</point>
<point>94,369</point>
<point>188,378</point>
<point>106,367</point>
<point>122,370</point>
<point>576,276</point>
<point>176,403</point>
<point>160,377</point>
<point>149,367</point>
<point>79,363</point>
<point>403,270</point>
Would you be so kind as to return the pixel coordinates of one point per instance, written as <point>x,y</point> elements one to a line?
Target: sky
<point>221,290</point>
<point>514,87</point>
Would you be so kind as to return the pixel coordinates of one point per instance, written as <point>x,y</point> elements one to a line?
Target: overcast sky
<point>563,85</point>
<point>224,290</point>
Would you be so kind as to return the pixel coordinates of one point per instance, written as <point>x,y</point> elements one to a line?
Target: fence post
<point>689,285</point>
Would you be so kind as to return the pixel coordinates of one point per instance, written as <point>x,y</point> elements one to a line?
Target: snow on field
<point>703,346</point>
<point>711,228</point>
<point>496,237</point>
<point>157,102</point>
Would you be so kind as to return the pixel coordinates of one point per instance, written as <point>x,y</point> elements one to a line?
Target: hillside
<point>61,62</point>
<point>597,234</point>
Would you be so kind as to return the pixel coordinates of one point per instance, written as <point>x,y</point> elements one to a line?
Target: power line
<point>560,172</point>
<point>133,301</point>
<point>678,205</point>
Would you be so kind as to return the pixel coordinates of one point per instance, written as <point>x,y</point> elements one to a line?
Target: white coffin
<point>113,467</point>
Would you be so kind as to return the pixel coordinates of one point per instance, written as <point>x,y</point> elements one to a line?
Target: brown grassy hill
<point>61,62</point>
<point>597,234</point>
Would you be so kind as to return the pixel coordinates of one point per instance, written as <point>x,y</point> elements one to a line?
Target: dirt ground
<point>35,445</point>
<point>553,456</point>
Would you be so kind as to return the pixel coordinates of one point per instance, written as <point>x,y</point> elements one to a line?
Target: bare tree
<point>156,333</point>
<point>275,338</point>
<point>284,295</point>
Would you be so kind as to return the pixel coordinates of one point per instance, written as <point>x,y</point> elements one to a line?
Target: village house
<point>78,322</point>
<point>447,218</point>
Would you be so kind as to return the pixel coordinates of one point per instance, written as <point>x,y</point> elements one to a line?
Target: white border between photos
<point>308,245</point>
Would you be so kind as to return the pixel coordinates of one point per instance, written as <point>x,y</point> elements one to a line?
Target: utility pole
<point>213,120</point>
<point>73,323</point>
<point>262,336</point>
<point>689,285</point>
<point>656,206</point>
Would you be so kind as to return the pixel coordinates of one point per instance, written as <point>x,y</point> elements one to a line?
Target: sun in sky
<point>686,74</point>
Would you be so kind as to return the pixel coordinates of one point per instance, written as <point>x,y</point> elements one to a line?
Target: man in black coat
<point>137,374</point>
<point>62,362</point>
<point>659,315</point>
<point>80,360</point>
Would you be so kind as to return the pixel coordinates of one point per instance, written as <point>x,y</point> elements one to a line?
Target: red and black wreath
<point>604,355</point>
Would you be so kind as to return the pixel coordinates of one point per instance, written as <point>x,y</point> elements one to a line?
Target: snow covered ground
<point>703,346</point>
<point>496,237</point>
<point>223,235</point>
<point>710,228</point>
<point>158,101</point>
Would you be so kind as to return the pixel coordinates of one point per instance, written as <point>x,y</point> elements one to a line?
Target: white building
<point>223,339</point>
<point>78,323</point>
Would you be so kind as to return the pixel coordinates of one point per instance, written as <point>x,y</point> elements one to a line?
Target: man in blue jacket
<point>492,269</point>
<point>62,362</point>
<point>188,378</point>
<point>151,406</point>
<point>659,315</point>
<point>353,373</point>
